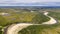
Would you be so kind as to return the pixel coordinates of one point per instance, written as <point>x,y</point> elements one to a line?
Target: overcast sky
<point>27,1</point>
<point>9,2</point>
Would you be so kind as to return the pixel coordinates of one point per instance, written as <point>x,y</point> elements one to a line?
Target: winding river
<point>15,28</point>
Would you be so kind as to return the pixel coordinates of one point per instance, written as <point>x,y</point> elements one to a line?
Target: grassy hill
<point>41,29</point>
<point>25,16</point>
<point>21,17</point>
<point>45,29</point>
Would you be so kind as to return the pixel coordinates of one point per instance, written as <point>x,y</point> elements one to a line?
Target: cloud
<point>22,2</point>
<point>27,1</point>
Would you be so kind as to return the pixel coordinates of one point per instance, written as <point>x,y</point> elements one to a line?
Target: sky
<point>23,2</point>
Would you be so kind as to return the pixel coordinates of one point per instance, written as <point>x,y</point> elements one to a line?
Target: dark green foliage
<point>38,29</point>
<point>0,32</point>
<point>40,18</point>
<point>55,15</point>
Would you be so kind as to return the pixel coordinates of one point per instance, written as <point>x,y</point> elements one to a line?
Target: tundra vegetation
<point>10,16</point>
<point>45,29</point>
